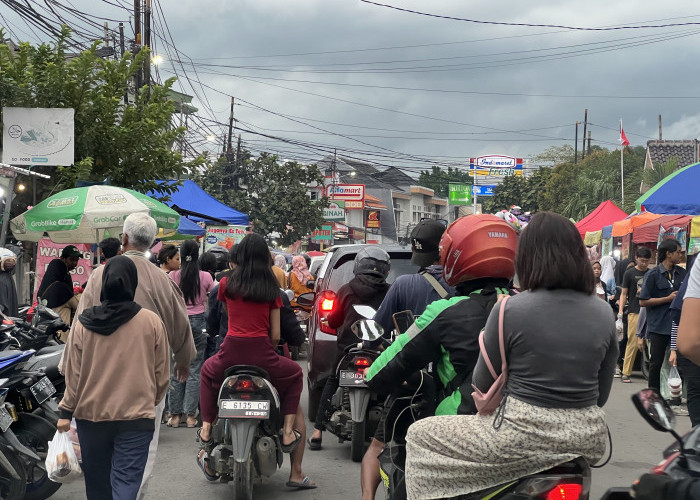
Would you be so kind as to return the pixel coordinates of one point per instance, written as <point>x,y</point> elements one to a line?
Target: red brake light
<point>661,468</point>
<point>244,385</point>
<point>362,362</point>
<point>327,304</point>
<point>565,491</point>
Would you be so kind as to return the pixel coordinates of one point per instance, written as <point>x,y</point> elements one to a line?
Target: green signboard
<point>323,234</point>
<point>335,211</point>
<point>460,193</point>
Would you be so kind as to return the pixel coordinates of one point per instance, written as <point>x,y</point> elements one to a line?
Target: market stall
<point>676,194</point>
<point>605,214</point>
<point>193,199</point>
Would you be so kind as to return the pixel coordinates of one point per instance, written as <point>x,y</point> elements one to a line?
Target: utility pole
<point>236,171</point>
<point>585,125</point>
<point>589,142</point>
<point>147,42</point>
<point>230,127</point>
<point>660,136</point>
<point>106,34</point>
<point>137,37</point>
<point>576,145</point>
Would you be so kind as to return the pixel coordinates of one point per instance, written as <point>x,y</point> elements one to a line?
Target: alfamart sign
<point>495,166</point>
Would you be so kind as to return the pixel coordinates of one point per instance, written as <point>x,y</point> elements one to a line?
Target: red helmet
<point>478,246</point>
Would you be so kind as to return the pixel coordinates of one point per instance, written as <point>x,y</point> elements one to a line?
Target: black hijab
<point>119,282</point>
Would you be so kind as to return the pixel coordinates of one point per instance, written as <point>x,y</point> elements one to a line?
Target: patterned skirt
<point>455,455</point>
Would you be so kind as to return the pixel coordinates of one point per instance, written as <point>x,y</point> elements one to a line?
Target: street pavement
<point>636,449</point>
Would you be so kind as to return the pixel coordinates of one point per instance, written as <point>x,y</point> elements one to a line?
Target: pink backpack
<point>489,402</point>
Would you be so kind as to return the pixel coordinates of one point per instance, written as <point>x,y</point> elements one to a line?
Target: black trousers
<point>659,344</point>
<point>324,406</point>
<point>114,457</point>
<point>690,373</point>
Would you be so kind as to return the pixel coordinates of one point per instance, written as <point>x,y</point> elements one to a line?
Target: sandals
<point>174,421</point>
<point>206,447</point>
<point>191,421</point>
<point>304,484</point>
<point>618,373</point>
<point>625,379</point>
<point>288,448</point>
<point>314,443</point>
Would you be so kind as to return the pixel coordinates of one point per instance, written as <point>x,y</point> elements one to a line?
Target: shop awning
<point>649,232</point>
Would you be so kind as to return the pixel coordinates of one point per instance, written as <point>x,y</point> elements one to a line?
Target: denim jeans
<point>184,397</point>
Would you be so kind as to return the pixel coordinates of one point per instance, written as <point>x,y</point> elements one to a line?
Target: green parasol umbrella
<point>88,214</point>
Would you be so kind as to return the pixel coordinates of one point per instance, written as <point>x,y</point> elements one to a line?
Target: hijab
<point>117,307</point>
<point>281,262</point>
<point>607,264</point>
<point>300,270</point>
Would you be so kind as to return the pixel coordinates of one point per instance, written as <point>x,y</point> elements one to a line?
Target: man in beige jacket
<point>155,292</point>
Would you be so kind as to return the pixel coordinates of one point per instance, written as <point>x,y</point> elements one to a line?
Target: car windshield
<point>342,271</point>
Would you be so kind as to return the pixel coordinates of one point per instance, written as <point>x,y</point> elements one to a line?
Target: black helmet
<point>372,260</point>
<point>307,259</point>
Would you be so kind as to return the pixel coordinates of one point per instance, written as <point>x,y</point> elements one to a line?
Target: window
<point>313,195</point>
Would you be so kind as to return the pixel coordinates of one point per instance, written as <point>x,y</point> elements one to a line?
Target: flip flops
<point>625,379</point>
<point>304,484</point>
<point>288,448</point>
<point>201,457</point>
<point>314,443</point>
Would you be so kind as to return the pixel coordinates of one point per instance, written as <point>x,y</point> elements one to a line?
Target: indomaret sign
<point>495,166</point>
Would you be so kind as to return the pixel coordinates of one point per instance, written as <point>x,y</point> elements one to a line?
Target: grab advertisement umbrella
<point>87,214</point>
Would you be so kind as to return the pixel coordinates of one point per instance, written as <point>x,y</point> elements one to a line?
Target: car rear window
<point>342,270</point>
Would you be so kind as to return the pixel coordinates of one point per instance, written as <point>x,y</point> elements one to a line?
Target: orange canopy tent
<point>649,232</point>
<point>627,226</point>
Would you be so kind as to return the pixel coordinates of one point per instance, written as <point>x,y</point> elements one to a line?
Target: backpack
<point>489,402</point>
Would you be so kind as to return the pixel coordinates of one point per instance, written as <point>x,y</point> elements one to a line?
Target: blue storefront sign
<point>483,190</point>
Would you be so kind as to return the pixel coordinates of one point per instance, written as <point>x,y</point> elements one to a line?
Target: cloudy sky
<point>399,88</point>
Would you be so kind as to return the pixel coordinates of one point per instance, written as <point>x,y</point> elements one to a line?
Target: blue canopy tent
<point>676,194</point>
<point>187,230</point>
<point>199,206</point>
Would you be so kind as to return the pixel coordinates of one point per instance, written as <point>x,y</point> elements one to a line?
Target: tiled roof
<point>394,176</point>
<point>686,152</point>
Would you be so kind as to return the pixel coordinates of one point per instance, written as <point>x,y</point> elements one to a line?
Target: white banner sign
<point>38,136</point>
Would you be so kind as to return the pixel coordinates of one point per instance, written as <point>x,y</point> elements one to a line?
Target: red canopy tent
<point>604,215</point>
<point>649,232</point>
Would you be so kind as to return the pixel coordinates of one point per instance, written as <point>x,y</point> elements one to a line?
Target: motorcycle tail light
<point>361,362</point>
<point>661,468</point>
<point>565,491</point>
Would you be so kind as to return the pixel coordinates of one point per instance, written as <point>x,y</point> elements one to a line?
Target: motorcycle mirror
<point>367,329</point>
<point>366,312</point>
<point>290,294</point>
<point>311,284</point>
<point>306,299</point>
<point>654,409</point>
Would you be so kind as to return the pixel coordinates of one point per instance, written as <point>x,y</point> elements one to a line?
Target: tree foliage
<point>272,193</point>
<point>129,144</point>
<point>438,179</point>
<point>652,176</point>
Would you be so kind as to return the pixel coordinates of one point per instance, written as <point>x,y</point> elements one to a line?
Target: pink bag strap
<point>489,365</point>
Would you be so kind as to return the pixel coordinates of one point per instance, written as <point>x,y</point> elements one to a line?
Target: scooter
<point>247,442</point>
<point>681,459</point>
<point>355,410</point>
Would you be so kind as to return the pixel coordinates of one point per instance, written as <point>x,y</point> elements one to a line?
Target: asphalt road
<point>636,448</point>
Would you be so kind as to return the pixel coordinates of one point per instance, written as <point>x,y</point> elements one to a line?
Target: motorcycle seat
<point>49,349</point>
<point>246,370</point>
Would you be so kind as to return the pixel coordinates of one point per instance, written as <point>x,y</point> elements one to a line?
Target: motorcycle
<point>355,410</point>
<point>247,443</point>
<point>681,459</point>
<point>28,414</point>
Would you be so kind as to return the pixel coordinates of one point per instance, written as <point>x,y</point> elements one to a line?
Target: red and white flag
<point>623,138</point>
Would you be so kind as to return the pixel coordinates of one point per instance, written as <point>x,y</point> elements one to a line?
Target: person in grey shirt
<point>561,347</point>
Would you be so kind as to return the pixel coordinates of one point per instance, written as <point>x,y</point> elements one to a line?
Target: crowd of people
<point>188,318</point>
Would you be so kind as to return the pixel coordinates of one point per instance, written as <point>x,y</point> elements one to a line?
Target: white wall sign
<point>38,136</point>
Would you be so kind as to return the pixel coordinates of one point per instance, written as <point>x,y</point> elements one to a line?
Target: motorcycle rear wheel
<point>243,480</point>
<point>10,488</point>
<point>357,444</point>
<point>35,433</point>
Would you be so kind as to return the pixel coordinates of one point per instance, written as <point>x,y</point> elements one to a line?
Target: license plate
<point>5,419</point>
<point>43,390</point>
<point>351,379</point>
<point>237,408</point>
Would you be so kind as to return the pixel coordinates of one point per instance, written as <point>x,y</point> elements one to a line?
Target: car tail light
<point>326,304</point>
<point>327,301</point>
<point>565,491</point>
<point>361,362</point>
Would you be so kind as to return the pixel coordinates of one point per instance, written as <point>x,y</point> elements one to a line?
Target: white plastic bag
<point>73,436</point>
<point>61,462</point>
<point>675,384</point>
<point>620,329</point>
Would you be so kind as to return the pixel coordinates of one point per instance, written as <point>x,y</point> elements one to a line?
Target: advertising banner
<point>335,211</point>
<point>223,236</point>
<point>38,136</point>
<point>352,192</point>
<point>495,166</point>
<point>323,234</point>
<point>460,194</point>
<point>693,245</point>
<point>483,190</point>
<point>676,233</point>
<point>373,219</point>
<point>48,250</point>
